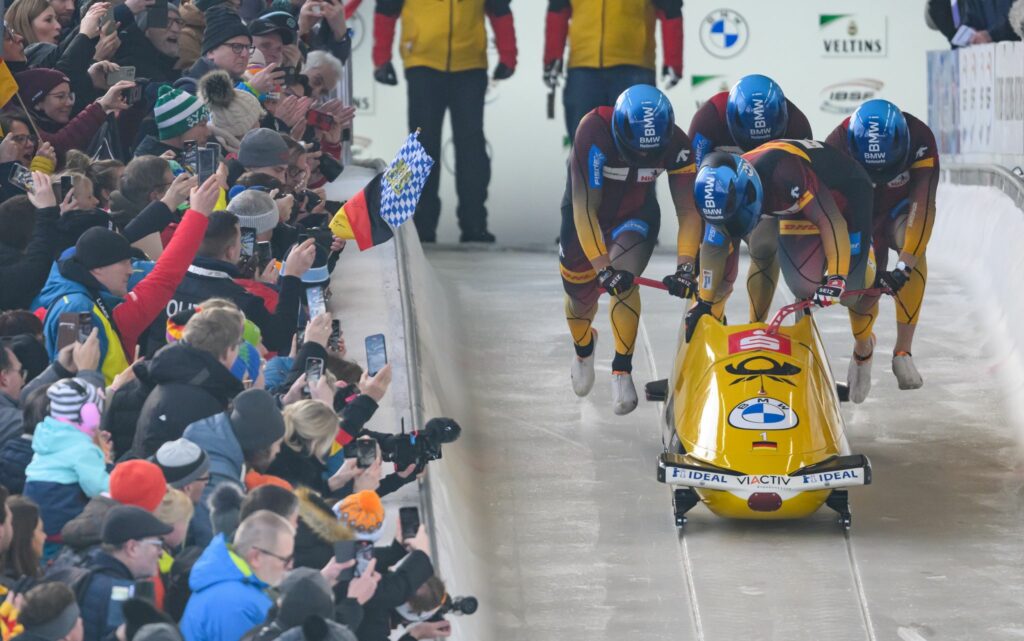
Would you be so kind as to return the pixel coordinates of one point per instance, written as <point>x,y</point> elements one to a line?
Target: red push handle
<point>786,310</point>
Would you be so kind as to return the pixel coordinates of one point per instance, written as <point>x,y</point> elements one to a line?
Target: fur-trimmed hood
<point>321,520</point>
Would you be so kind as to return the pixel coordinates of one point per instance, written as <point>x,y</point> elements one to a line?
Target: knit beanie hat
<point>233,112</point>
<point>206,5</point>
<point>182,462</point>
<point>139,483</point>
<point>262,148</point>
<point>68,400</point>
<point>304,593</point>
<point>99,247</point>
<point>225,505</point>
<point>255,210</point>
<point>317,628</point>
<point>34,84</point>
<point>157,632</point>
<point>363,513</point>
<point>177,111</point>
<point>222,24</point>
<point>255,420</point>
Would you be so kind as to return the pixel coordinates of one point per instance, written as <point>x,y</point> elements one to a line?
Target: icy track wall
<point>453,500</point>
<point>975,234</point>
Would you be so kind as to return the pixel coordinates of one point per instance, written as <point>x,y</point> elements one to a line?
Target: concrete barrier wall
<point>977,232</point>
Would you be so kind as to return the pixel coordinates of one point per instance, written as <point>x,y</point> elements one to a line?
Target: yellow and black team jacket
<point>609,33</point>
<point>447,35</point>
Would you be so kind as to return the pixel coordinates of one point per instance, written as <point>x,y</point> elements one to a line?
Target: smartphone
<point>376,354</point>
<point>63,188</point>
<point>319,119</point>
<point>67,329</point>
<point>131,95</point>
<point>263,255</point>
<point>84,326</point>
<point>156,15</point>
<point>345,551</point>
<point>289,75</point>
<point>248,241</point>
<point>215,146</point>
<point>330,168</point>
<point>366,453</point>
<point>21,177</point>
<point>206,163</point>
<point>364,554</point>
<point>187,157</point>
<point>314,370</point>
<point>409,521</point>
<point>334,340</point>
<point>107,24</point>
<point>312,199</point>
<point>315,301</point>
<point>124,73</point>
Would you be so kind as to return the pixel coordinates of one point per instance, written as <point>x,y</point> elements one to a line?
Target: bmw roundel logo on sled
<point>763,414</point>
<point>724,33</point>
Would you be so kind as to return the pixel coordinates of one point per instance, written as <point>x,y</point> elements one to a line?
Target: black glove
<point>385,74</point>
<point>502,72</point>
<point>615,281</point>
<point>683,283</point>
<point>552,73</point>
<point>895,279</point>
<point>693,316</point>
<point>830,291</point>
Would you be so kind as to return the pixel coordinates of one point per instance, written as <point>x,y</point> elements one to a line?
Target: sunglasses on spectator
<point>239,48</point>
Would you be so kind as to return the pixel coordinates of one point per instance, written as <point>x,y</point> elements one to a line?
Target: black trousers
<point>431,93</point>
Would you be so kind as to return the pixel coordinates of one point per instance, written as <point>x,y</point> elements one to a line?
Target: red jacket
<point>147,299</point>
<point>79,131</point>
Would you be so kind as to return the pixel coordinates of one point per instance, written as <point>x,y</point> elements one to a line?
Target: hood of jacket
<point>53,436</point>
<point>123,210</point>
<point>218,564</point>
<point>70,277</point>
<point>182,363</point>
<point>215,435</point>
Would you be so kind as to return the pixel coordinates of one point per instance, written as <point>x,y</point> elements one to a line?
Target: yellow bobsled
<point>753,424</point>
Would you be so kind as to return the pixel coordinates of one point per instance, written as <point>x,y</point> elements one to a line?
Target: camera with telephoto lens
<point>421,447</point>
<point>458,605</point>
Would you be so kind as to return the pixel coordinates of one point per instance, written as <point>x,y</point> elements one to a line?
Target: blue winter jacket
<point>227,599</point>
<point>215,436</point>
<point>66,468</point>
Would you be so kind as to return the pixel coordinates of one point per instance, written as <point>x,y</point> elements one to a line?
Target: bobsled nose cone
<point>623,393</point>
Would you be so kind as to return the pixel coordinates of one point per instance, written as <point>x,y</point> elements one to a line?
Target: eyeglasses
<point>238,48</point>
<point>63,97</point>
<point>202,479</point>
<point>22,139</point>
<point>287,560</point>
<point>176,21</point>
<point>156,542</point>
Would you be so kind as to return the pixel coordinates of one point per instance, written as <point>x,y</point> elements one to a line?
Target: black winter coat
<point>15,455</point>
<point>395,588</point>
<point>22,275</point>
<point>188,385</point>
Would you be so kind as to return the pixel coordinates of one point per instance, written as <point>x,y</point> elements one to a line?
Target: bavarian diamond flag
<point>388,200</point>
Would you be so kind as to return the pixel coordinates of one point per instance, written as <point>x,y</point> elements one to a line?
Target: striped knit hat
<point>177,111</point>
<point>67,396</point>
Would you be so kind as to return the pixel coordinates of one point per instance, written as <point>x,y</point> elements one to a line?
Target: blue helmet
<point>878,137</point>
<point>642,123</point>
<point>756,111</point>
<point>728,193</point>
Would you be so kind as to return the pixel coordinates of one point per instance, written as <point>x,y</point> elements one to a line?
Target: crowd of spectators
<point>181,431</point>
<point>974,22</point>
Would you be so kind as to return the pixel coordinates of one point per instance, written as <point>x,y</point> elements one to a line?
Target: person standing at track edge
<point>899,153</point>
<point>753,112</point>
<point>444,49</point>
<point>608,232</point>
<point>611,48</point>
<point>816,214</point>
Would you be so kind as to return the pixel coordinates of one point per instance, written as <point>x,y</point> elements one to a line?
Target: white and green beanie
<point>177,111</point>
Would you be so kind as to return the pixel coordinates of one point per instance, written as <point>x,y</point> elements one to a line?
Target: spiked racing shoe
<point>623,393</point>
<point>583,369</point>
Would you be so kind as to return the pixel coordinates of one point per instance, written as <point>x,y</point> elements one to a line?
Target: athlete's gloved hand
<point>615,281</point>
<point>669,77</point>
<point>385,74</point>
<point>552,73</point>
<point>895,279</point>
<point>683,283</point>
<point>502,72</point>
<point>702,308</point>
<point>830,291</point>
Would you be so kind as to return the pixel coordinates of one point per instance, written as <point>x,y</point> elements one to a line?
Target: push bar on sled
<point>832,473</point>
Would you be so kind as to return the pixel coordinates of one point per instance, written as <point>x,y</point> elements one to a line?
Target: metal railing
<point>1005,180</point>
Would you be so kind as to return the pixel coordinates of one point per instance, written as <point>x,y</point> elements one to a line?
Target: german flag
<point>8,85</point>
<point>359,218</point>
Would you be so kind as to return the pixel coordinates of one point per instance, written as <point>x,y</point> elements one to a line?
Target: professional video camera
<point>419,447</point>
<point>458,605</point>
